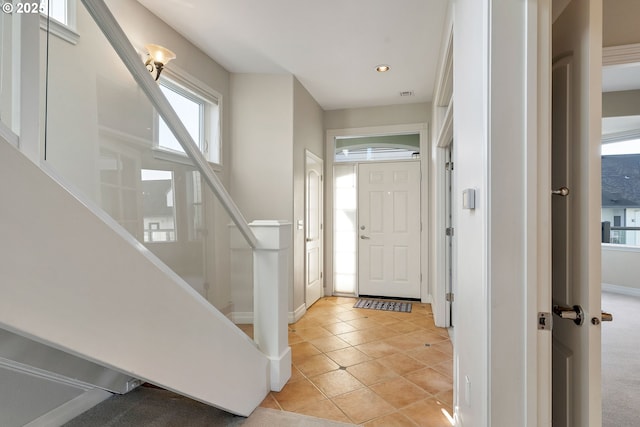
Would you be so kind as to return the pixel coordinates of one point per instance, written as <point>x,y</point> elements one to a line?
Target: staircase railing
<point>265,274</point>
<point>118,39</point>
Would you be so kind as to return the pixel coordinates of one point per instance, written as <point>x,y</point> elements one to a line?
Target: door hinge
<point>449,166</point>
<point>545,321</point>
<point>449,297</point>
<point>449,231</point>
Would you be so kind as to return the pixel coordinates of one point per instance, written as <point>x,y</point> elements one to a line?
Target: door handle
<point>562,191</point>
<point>574,313</point>
<point>363,237</point>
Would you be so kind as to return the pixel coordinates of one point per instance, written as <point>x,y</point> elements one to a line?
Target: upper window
<point>63,19</point>
<point>199,113</point>
<point>56,9</point>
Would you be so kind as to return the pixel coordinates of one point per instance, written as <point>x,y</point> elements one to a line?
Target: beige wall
<point>274,120</point>
<point>620,266</point>
<point>308,134</point>
<point>623,103</point>
<point>262,140</point>
<point>377,116</point>
<point>620,22</point>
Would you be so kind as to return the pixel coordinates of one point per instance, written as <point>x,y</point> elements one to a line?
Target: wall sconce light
<point>158,57</point>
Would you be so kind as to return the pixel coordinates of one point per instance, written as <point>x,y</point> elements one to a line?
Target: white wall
<point>490,135</point>
<point>621,267</point>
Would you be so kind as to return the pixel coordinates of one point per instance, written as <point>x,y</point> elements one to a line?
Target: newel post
<point>270,304</point>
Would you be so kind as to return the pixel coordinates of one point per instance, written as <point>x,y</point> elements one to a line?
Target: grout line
<point>414,317</point>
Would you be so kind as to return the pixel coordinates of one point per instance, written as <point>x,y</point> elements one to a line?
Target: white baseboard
<point>623,290</point>
<point>297,314</point>
<point>246,318</point>
<point>242,317</point>
<point>68,411</point>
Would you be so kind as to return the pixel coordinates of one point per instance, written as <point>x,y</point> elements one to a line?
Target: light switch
<point>468,198</point>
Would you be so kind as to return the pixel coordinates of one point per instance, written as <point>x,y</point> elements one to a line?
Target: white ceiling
<point>331,46</point>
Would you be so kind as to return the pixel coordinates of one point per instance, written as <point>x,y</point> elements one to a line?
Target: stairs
<point>75,281</point>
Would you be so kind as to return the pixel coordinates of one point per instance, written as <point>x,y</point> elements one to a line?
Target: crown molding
<point>619,55</point>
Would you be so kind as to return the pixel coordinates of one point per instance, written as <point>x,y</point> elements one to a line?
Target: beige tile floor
<point>369,367</point>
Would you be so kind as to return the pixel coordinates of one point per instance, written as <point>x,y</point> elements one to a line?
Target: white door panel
<point>576,248</point>
<point>389,229</point>
<point>314,282</point>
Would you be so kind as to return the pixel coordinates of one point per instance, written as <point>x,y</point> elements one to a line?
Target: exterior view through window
<point>620,187</point>
<point>199,115</point>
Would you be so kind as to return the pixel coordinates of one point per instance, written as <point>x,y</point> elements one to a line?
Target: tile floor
<point>369,367</point>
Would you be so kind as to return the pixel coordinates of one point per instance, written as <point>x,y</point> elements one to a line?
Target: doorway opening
<point>375,212</point>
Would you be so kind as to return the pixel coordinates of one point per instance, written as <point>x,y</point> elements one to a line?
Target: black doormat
<point>373,304</point>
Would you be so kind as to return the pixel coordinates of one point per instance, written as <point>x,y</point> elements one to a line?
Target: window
<point>63,19</point>
<point>199,113</point>
<point>621,180</point>
<point>373,148</point>
<point>158,206</point>
<point>56,9</point>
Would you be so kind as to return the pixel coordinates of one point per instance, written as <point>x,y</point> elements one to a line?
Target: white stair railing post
<point>270,304</point>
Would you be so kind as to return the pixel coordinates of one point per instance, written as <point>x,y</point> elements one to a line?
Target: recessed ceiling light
<point>382,68</point>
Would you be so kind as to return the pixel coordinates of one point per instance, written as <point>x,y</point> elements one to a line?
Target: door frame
<point>442,136</point>
<point>331,135</point>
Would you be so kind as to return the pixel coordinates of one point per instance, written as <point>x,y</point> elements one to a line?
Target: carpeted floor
<point>146,406</point>
<point>621,361</point>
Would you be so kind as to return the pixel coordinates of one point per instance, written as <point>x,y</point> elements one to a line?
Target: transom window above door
<point>376,148</point>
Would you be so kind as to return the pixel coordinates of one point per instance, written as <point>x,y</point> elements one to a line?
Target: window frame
<point>65,30</point>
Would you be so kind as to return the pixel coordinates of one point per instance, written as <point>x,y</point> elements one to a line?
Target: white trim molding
<point>619,55</point>
<point>622,290</point>
<point>70,410</point>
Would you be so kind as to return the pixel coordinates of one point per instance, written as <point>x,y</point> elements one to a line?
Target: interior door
<point>389,229</point>
<point>313,229</point>
<point>576,200</point>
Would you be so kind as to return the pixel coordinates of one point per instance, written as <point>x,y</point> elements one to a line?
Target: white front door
<point>389,229</point>
<point>313,229</point>
<point>576,248</point>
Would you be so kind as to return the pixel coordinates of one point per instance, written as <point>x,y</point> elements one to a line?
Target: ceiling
<point>331,46</point>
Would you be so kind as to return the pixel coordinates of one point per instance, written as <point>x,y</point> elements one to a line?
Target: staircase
<point>75,281</point>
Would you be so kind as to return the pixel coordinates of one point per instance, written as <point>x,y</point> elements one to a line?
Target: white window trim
<point>180,78</point>
<point>66,32</point>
